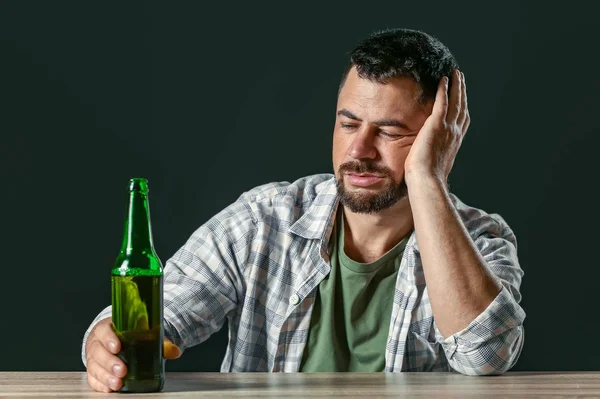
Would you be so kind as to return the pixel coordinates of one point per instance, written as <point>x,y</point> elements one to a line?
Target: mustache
<point>364,167</point>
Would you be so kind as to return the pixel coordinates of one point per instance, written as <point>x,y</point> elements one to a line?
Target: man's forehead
<point>400,93</point>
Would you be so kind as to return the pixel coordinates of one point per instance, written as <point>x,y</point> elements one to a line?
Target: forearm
<point>459,285</point>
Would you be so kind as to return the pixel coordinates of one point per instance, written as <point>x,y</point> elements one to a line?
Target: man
<point>377,268</point>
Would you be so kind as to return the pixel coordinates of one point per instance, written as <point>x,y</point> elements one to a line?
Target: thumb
<point>170,350</point>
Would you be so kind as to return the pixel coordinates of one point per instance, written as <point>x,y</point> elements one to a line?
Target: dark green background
<point>208,101</point>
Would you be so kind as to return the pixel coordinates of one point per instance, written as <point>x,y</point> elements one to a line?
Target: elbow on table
<point>493,358</point>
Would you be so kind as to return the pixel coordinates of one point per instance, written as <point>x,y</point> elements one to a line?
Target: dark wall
<point>207,101</point>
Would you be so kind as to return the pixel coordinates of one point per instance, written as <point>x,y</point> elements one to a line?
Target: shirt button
<point>294,299</point>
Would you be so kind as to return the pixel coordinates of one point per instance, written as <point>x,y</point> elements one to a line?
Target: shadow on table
<point>244,382</point>
<point>199,382</point>
<point>199,386</point>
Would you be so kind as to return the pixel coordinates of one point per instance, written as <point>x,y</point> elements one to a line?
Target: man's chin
<point>362,189</point>
<point>363,195</point>
<point>370,199</point>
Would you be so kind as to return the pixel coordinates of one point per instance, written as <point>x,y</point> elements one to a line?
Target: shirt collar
<point>317,221</point>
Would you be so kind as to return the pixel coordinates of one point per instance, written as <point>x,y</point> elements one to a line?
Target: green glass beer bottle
<point>137,297</point>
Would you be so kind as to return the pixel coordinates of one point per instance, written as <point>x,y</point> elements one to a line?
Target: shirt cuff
<point>501,315</point>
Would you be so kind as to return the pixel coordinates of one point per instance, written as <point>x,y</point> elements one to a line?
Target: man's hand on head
<point>434,150</point>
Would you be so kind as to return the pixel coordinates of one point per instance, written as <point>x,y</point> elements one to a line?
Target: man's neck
<point>367,237</point>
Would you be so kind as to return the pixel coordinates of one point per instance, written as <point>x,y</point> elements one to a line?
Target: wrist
<point>420,176</point>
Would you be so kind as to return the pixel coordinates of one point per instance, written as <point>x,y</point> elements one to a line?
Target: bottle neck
<point>138,230</point>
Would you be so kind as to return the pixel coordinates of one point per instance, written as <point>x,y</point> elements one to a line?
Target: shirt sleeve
<point>203,280</point>
<point>492,342</point>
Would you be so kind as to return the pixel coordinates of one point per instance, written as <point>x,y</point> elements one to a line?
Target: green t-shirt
<point>351,316</point>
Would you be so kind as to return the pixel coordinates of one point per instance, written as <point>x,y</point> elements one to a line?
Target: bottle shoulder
<point>138,264</point>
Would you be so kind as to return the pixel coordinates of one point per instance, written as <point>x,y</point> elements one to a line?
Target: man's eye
<point>347,126</point>
<point>392,136</point>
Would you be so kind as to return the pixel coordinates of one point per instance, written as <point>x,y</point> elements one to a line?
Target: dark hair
<point>403,52</point>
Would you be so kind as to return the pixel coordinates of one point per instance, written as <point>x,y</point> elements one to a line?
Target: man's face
<point>375,127</point>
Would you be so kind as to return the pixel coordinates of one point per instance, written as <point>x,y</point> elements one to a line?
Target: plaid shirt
<point>258,264</point>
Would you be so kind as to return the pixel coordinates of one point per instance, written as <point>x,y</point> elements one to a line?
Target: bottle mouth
<point>138,184</point>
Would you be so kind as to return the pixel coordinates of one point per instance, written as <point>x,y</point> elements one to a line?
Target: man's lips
<point>363,179</point>
<point>363,174</point>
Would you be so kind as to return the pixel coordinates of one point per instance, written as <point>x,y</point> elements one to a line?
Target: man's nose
<point>362,146</point>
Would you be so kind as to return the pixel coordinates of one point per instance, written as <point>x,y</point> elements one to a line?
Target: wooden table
<point>346,385</point>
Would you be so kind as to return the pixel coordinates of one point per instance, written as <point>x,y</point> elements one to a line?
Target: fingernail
<point>117,369</point>
<point>112,381</point>
<point>112,345</point>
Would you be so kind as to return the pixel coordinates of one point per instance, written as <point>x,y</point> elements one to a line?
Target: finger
<point>99,354</point>
<point>440,106</point>
<point>104,376</point>
<point>454,100</point>
<point>463,118</point>
<point>106,335</point>
<point>97,385</point>
<point>170,350</point>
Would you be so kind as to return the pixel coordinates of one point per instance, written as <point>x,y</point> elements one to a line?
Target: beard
<point>369,202</point>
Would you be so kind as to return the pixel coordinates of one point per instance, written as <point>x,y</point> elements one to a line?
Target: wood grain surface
<point>308,385</point>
